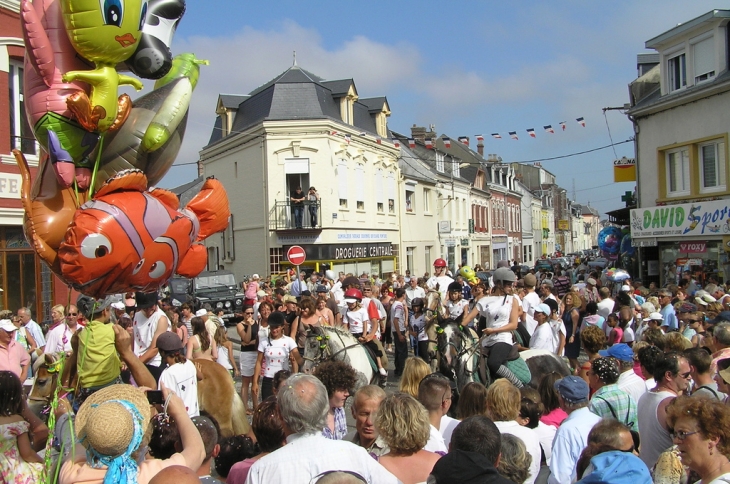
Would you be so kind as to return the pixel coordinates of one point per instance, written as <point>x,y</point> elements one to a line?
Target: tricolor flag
<point>333,133</point>
<point>562,125</point>
<point>379,140</point>
<point>531,132</point>
<point>429,143</point>
<point>513,134</point>
<point>347,138</point>
<point>496,136</point>
<point>479,137</point>
<point>396,142</point>
<point>411,143</point>
<point>447,142</point>
<point>581,121</point>
<point>464,139</point>
<point>549,129</point>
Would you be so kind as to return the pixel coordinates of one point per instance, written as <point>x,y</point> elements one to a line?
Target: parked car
<point>543,264</point>
<point>217,288</point>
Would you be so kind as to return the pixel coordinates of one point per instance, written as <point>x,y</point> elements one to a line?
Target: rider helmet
<point>417,302</point>
<point>455,287</point>
<point>439,262</point>
<point>504,274</point>
<point>353,296</point>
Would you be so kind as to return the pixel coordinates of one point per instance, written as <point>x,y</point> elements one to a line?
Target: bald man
<point>175,475</point>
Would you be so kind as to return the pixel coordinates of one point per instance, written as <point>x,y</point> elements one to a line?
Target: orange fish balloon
<point>128,238</point>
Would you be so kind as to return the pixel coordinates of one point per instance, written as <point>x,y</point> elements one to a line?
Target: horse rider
<point>501,312</point>
<point>439,281</point>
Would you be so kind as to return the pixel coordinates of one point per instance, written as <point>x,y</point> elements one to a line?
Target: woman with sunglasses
<point>501,313</point>
<point>59,338</point>
<point>701,431</point>
<point>248,331</point>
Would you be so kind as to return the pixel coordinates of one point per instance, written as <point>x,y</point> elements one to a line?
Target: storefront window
<point>696,261</point>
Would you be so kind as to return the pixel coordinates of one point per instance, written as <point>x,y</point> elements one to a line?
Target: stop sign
<point>296,255</point>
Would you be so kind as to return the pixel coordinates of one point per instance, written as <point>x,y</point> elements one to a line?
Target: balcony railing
<point>286,215</point>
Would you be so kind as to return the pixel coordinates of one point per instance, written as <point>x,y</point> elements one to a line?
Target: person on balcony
<point>297,202</point>
<point>313,198</point>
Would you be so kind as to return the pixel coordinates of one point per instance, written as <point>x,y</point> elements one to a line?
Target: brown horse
<point>45,369</point>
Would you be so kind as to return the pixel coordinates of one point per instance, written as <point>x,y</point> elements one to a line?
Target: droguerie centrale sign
<point>688,219</point>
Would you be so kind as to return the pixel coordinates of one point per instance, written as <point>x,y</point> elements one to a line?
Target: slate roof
<point>232,100</point>
<point>428,158</point>
<point>295,94</point>
<point>187,191</point>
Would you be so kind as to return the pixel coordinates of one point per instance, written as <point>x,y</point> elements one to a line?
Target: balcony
<point>282,217</point>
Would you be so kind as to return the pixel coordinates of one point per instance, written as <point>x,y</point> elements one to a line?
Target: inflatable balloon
<point>469,275</point>
<point>49,54</point>
<point>152,59</point>
<point>626,248</point>
<point>609,239</point>
<point>105,34</point>
<point>130,239</point>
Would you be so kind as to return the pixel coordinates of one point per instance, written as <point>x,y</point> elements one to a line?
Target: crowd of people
<point>643,399</point>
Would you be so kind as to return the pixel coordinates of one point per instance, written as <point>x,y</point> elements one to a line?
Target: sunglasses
<point>73,314</point>
<point>685,375</point>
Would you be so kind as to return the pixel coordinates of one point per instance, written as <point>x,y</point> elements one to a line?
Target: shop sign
<point>695,247</point>
<point>450,243</point>
<point>563,225</point>
<point>444,226</point>
<point>689,262</point>
<point>10,185</point>
<point>325,252</point>
<point>465,242</point>
<point>648,242</point>
<point>687,219</point>
<point>363,236</point>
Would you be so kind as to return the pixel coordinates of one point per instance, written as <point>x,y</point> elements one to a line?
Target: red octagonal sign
<point>296,255</point>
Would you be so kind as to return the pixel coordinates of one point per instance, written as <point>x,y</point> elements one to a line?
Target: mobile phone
<point>154,397</point>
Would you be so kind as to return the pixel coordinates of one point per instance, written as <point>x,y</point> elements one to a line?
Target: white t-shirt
<point>276,354</point>
<point>182,380</point>
<point>529,303</point>
<point>59,339</point>
<point>557,327</point>
<point>144,333</point>
<point>497,311</point>
<point>358,320</point>
<point>418,323</point>
<point>457,308</point>
<point>542,338</point>
<point>435,441</point>
<point>628,335</point>
<point>397,312</point>
<point>443,284</point>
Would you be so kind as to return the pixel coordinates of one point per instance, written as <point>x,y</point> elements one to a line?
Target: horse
<point>433,316</point>
<point>459,358</point>
<point>217,394</point>
<point>337,343</point>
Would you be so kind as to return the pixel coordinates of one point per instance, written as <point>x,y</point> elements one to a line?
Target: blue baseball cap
<point>620,351</point>
<point>573,389</point>
<point>617,467</point>
<point>543,308</point>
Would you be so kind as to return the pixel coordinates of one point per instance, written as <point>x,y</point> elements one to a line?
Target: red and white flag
<point>379,140</point>
<point>333,133</point>
<point>347,138</point>
<point>464,139</point>
<point>447,142</point>
<point>531,132</point>
<point>411,143</point>
<point>496,136</point>
<point>429,143</point>
<point>513,134</point>
<point>581,121</point>
<point>549,129</point>
<point>479,137</point>
<point>562,125</point>
<point>396,142</point>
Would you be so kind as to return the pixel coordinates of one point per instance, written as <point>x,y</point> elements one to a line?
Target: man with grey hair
<point>670,322</point>
<point>303,406</point>
<point>33,328</point>
<point>721,337</point>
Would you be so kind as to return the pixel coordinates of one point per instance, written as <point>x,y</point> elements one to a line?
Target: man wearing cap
<point>628,381</point>
<point>672,374</point>
<point>542,338</point>
<point>530,303</point>
<point>94,351</point>
<point>149,323</point>
<point>180,376</point>
<point>572,435</point>
<point>13,356</point>
<point>669,317</point>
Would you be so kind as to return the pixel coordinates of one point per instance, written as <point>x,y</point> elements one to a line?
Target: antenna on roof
<point>295,58</point>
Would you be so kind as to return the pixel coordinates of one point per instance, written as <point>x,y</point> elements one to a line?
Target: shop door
<point>451,255</point>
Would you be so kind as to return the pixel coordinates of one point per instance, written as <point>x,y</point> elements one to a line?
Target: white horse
<point>459,358</point>
<point>337,343</point>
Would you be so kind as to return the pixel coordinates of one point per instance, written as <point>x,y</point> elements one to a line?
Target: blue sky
<point>468,67</point>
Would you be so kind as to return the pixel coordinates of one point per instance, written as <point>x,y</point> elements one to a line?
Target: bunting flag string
<point>464,140</point>
<point>548,128</point>
<point>447,142</point>
<point>513,134</point>
<point>531,132</point>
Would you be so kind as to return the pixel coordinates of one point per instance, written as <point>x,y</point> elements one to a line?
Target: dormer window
<point>703,53</point>
<point>677,72</point>
<point>439,162</point>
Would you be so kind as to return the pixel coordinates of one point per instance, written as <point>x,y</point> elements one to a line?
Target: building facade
<point>299,130</point>
<point>679,109</point>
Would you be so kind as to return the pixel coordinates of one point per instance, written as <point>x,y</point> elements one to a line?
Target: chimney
<point>480,148</point>
<point>418,133</point>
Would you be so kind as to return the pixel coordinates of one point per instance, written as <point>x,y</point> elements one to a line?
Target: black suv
<point>217,288</point>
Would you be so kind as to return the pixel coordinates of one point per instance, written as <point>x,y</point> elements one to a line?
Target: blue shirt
<point>670,317</point>
<point>570,440</point>
<point>297,287</point>
<point>466,292</point>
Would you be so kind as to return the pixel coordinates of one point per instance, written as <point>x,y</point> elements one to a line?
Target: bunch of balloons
<point>90,213</point>
<point>609,239</point>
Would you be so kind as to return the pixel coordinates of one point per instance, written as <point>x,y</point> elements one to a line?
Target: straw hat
<point>107,426</point>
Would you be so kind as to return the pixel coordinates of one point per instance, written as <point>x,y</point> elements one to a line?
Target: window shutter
<point>342,179</point>
<point>360,182</point>
<point>379,186</point>
<point>391,185</point>
<point>704,57</point>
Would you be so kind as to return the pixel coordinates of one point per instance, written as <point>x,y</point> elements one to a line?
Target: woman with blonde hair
<point>201,344</point>
<point>403,424</point>
<point>58,315</point>
<point>504,402</point>
<point>515,461</point>
<point>570,309</point>
<point>415,370</point>
<point>593,339</point>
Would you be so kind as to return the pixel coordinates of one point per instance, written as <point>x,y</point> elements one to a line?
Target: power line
<point>630,140</point>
